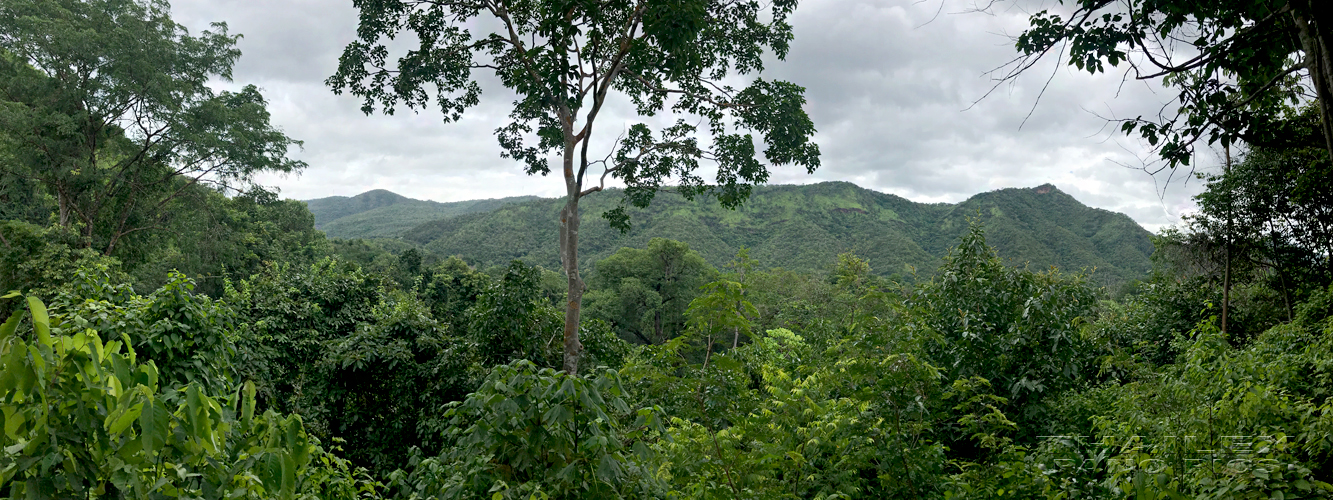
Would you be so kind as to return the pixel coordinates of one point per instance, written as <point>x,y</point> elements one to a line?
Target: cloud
<point>895,88</point>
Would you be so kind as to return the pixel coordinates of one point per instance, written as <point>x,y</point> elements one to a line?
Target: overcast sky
<point>890,84</point>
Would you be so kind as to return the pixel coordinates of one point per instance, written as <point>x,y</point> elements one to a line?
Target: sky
<point>900,92</point>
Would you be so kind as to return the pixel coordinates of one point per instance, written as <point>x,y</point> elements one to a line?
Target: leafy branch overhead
<point>564,58</point>
<point>1237,66</point>
<point>107,105</point>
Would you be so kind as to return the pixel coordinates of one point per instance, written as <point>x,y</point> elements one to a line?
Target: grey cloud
<point>891,92</point>
<point>292,40</point>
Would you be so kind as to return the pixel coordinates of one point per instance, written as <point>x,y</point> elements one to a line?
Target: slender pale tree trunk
<point>569,253</point>
<point>736,331</point>
<point>569,257</point>
<point>1226,243</point>
<point>62,200</point>
<point>1314,20</point>
<point>709,353</point>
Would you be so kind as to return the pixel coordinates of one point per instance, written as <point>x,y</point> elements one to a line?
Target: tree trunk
<point>657,326</point>
<point>736,332</point>
<point>709,353</point>
<point>569,257</point>
<point>1314,20</point>
<point>1226,281</point>
<point>62,200</point>
<point>1226,243</point>
<point>87,231</point>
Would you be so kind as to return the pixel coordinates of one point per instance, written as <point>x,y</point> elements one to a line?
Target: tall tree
<point>644,293</point>
<point>1235,64</point>
<point>563,58</point>
<point>106,105</point>
<point>1273,213</point>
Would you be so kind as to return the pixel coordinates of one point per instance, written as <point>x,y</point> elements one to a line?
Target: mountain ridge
<point>380,213</point>
<point>805,227</point>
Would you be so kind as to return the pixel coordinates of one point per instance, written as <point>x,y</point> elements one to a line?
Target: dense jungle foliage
<point>328,380</point>
<point>171,330</point>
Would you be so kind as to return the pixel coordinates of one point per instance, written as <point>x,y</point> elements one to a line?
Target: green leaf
<point>117,421</point>
<point>248,404</point>
<point>608,469</point>
<point>41,323</point>
<point>7,329</point>
<point>153,431</point>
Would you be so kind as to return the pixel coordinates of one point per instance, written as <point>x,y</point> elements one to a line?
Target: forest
<point>799,228</point>
<point>173,329</point>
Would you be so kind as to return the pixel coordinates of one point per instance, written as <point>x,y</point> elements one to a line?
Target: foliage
<point>108,105</point>
<point>40,260</point>
<point>1014,328</point>
<point>207,236</point>
<point>85,417</point>
<point>371,364</point>
<point>1221,421</point>
<point>563,63</point>
<point>643,293</point>
<point>1276,202</point>
<point>807,303</point>
<point>188,336</point>
<point>1242,69</point>
<point>719,310</point>
<point>530,432</point>
<point>781,385</point>
<point>965,377</point>
<point>1000,468</point>
<point>776,418</point>
<point>1268,217</point>
<point>510,321</point>
<point>381,387</point>
<point>338,347</point>
<point>213,237</point>
<point>664,58</point>
<point>451,288</point>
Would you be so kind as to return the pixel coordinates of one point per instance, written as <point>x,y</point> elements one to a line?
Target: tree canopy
<point>106,105</point>
<point>644,292</point>
<point>564,59</point>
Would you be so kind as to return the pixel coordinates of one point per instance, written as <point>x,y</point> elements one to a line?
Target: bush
<point>532,432</point>
<point>83,417</point>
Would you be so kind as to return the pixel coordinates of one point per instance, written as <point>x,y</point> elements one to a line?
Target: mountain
<point>384,214</point>
<point>806,227</point>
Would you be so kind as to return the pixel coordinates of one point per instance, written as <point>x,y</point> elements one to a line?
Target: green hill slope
<point>383,214</point>
<point>805,227</point>
<point>336,207</point>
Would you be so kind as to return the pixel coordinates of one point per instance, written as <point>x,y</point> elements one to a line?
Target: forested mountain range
<point>384,214</point>
<point>175,329</point>
<point>805,227</point>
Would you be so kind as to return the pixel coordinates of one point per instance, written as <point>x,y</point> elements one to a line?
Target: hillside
<point>383,214</point>
<point>806,227</point>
